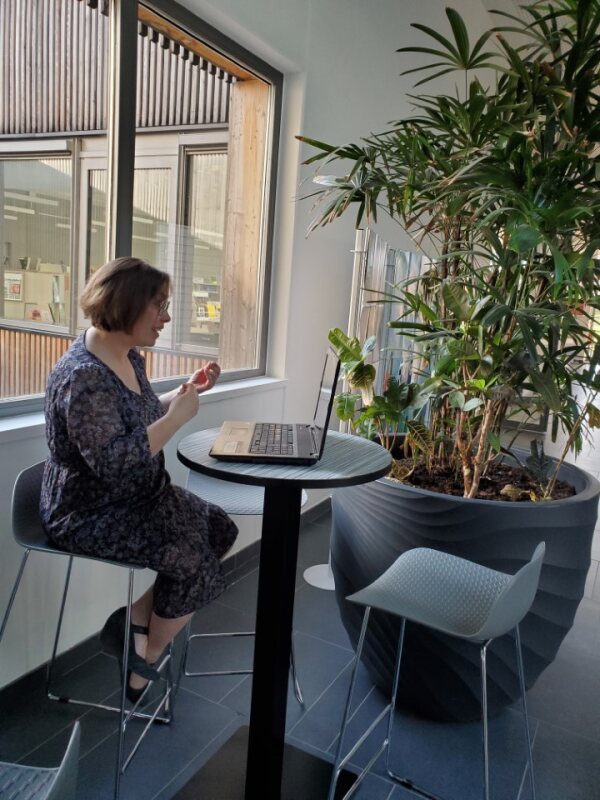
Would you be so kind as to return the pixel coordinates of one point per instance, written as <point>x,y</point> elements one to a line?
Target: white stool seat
<point>234,498</point>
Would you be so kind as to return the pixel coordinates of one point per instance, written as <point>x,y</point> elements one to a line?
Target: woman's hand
<point>206,377</point>
<point>184,406</point>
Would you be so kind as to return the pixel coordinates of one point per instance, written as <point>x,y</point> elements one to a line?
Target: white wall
<point>341,81</point>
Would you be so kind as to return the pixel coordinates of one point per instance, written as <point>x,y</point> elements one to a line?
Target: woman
<point>105,491</point>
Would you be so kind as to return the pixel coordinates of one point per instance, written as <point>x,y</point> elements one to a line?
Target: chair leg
<point>484,720</point>
<point>13,594</point>
<point>183,670</point>
<point>335,774</point>
<point>50,667</point>
<point>525,714</point>
<point>389,770</point>
<point>296,682</point>
<point>125,666</point>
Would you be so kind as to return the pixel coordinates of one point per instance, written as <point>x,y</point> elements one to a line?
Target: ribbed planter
<point>376,522</point>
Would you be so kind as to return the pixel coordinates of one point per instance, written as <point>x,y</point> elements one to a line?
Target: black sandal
<point>112,638</point>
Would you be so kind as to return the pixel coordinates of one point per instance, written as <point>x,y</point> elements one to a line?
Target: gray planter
<point>376,522</point>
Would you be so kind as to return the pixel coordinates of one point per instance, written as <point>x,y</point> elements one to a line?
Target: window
<point>205,140</point>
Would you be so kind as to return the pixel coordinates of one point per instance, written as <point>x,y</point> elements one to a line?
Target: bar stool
<point>243,500</point>
<point>19,782</point>
<point>29,534</point>
<point>456,597</point>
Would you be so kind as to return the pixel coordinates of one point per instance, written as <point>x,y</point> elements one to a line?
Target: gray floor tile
<point>316,613</point>
<point>163,756</point>
<point>567,695</point>
<point>567,766</point>
<point>445,759</point>
<point>320,725</point>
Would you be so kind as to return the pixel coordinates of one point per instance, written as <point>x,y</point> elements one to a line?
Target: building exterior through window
<point>203,155</point>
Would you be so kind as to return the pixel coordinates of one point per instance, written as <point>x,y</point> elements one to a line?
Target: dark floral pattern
<point>105,495</point>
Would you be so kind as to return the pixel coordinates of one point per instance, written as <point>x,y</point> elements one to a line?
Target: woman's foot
<point>112,637</point>
<point>136,683</point>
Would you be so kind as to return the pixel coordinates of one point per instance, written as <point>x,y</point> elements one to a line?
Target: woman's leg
<point>141,611</point>
<point>162,632</point>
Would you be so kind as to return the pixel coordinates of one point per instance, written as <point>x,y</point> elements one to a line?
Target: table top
<point>347,461</point>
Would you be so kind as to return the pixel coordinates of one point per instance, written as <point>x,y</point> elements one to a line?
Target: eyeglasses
<point>163,307</point>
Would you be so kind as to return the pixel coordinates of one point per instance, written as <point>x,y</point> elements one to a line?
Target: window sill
<point>28,426</point>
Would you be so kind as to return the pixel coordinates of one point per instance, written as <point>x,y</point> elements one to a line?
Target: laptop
<point>280,442</point>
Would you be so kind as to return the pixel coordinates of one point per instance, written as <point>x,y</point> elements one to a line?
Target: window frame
<point>44,145</point>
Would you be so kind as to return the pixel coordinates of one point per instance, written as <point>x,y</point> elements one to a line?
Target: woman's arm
<point>107,436</point>
<point>182,407</point>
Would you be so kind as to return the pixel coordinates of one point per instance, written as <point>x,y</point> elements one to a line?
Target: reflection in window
<point>35,236</point>
<point>96,236</point>
<point>205,219</point>
<point>150,215</point>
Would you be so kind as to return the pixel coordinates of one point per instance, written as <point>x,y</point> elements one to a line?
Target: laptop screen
<point>329,381</point>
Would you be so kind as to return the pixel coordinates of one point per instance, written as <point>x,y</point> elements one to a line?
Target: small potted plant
<point>499,186</point>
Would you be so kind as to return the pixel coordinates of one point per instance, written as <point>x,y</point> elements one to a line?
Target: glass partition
<point>35,235</point>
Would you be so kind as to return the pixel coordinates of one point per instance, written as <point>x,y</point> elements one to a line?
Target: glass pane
<point>150,214</point>
<point>96,233</point>
<point>201,302</point>
<point>35,232</point>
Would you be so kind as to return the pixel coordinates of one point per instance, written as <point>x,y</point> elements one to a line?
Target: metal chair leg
<point>296,682</point>
<point>525,714</point>
<point>183,670</point>
<point>337,766</point>
<point>125,666</point>
<point>484,720</point>
<point>13,594</point>
<point>50,667</point>
<point>388,768</point>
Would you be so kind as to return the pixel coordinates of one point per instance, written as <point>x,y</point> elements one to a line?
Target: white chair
<point>456,597</point>
<point>19,782</point>
<point>29,534</point>
<point>236,499</point>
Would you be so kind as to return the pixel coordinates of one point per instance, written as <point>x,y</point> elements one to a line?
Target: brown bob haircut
<point>119,291</point>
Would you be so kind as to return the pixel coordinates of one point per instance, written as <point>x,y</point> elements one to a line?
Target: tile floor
<point>564,707</point>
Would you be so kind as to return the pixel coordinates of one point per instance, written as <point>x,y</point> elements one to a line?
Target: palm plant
<point>499,187</point>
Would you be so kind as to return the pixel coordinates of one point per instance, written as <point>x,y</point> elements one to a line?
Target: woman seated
<point>106,491</point>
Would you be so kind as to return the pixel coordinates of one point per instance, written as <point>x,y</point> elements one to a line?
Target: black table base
<point>305,777</point>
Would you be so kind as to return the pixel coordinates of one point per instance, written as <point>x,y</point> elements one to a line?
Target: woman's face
<point>150,323</point>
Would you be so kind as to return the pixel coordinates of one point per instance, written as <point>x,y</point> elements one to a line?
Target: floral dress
<point>105,495</point>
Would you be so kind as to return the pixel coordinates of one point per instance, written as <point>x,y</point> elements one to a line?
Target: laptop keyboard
<point>274,438</point>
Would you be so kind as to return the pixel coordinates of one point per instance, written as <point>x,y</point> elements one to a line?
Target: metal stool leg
<point>525,714</point>
<point>183,670</point>
<point>337,766</point>
<point>484,721</point>
<point>13,594</point>
<point>340,762</point>
<point>125,666</point>
<point>296,682</point>
<point>50,667</point>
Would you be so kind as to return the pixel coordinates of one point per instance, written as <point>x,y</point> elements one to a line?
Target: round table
<point>347,460</point>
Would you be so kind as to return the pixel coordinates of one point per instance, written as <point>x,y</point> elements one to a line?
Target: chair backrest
<point>515,599</point>
<point>26,524</point>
